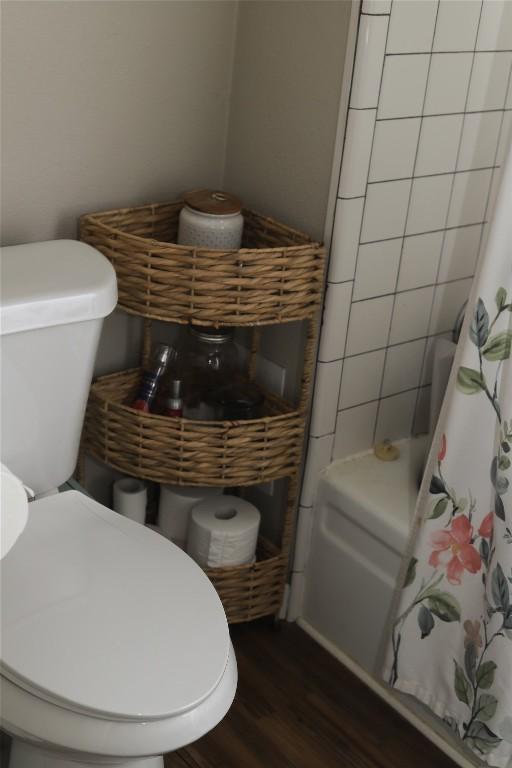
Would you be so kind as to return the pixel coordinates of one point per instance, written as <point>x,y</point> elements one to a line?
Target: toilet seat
<point>79,581</point>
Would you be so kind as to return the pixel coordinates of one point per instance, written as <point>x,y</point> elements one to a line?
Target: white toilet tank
<point>54,296</point>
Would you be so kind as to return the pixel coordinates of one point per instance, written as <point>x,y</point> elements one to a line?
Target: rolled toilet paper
<point>130,498</point>
<point>175,506</point>
<point>223,531</point>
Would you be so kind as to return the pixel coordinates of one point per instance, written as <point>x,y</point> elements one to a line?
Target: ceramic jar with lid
<point>211,219</point>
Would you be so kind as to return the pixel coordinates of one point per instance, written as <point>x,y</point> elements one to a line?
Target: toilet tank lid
<point>53,283</point>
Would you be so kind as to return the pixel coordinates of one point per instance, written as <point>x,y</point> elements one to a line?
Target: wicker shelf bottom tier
<point>250,592</point>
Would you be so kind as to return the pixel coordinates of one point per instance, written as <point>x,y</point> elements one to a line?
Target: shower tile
<point>411,315</point>
<point>385,210</point>
<point>456,26</point>
<point>420,260</point>
<point>354,430</point>
<point>495,30</point>
<point>428,363</point>
<point>345,239</point>
<point>325,399</point>
<point>479,140</point>
<point>508,103</point>
<point>439,143</point>
<point>361,378</point>
<point>320,450</point>
<point>403,367</point>
<point>489,81</point>
<point>356,152</point>
<point>469,198</point>
<point>335,321</point>
<point>394,149</point>
<point>411,26</point>
<point>371,43</point>
<point>376,6</point>
<point>505,140</point>
<point>460,253</point>
<point>421,423</point>
<point>403,86</point>
<point>395,416</point>
<point>429,203</point>
<point>369,325</point>
<point>448,300</point>
<point>448,83</point>
<point>377,269</point>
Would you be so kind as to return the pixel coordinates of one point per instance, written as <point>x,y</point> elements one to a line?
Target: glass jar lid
<point>212,335</point>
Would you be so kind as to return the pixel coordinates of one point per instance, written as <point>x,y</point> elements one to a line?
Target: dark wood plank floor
<point>297,707</point>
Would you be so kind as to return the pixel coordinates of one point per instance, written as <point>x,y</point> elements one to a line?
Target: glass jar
<point>207,361</point>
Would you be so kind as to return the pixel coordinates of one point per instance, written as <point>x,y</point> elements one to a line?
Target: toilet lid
<point>107,616</point>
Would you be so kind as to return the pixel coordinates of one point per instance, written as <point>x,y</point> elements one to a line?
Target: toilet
<point>115,646</point>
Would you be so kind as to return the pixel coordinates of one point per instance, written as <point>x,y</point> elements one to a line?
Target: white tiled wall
<point>429,122</point>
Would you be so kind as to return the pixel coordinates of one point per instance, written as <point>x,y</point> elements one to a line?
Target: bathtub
<point>361,522</point>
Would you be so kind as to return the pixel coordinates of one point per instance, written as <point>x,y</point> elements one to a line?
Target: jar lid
<point>213,201</point>
<point>213,335</point>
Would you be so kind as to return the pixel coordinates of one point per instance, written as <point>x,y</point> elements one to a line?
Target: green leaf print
<point>479,329</point>
<point>439,509</point>
<point>501,299</point>
<point>500,590</point>
<point>486,706</point>
<point>485,675</point>
<point>426,621</point>
<point>469,381</point>
<point>443,605</point>
<point>411,572</point>
<point>498,347</point>
<point>461,685</point>
<point>482,738</point>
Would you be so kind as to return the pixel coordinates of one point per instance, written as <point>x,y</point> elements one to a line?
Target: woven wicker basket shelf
<point>276,277</point>
<point>184,452</point>
<point>249,592</point>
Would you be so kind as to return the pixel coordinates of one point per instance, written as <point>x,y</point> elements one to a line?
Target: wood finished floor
<point>297,707</point>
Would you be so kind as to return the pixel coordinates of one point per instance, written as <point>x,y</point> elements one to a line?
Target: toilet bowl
<point>115,646</point>
<point>114,642</point>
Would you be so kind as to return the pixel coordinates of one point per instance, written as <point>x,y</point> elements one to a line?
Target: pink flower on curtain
<point>472,629</point>
<point>442,448</point>
<point>486,526</point>
<point>454,551</point>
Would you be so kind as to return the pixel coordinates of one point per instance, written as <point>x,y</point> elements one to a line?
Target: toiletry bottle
<point>174,401</point>
<point>160,359</point>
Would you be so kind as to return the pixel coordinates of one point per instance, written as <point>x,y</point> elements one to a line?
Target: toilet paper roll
<point>176,503</point>
<point>130,498</point>
<point>223,531</point>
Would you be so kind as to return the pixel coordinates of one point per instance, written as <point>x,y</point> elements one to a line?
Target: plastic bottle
<point>160,358</point>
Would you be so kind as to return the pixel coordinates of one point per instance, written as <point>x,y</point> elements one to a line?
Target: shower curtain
<point>451,638</point>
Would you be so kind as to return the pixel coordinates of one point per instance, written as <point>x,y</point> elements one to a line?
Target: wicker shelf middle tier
<point>185,452</point>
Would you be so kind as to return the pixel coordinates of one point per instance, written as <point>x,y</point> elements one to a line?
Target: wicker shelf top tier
<point>276,277</point>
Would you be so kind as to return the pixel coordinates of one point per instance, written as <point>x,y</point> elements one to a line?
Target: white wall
<point>109,104</point>
<point>286,89</point>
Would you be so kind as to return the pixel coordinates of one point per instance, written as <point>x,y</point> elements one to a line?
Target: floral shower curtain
<point>451,640</point>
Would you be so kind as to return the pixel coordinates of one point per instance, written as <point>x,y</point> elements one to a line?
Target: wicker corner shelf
<point>184,452</point>
<point>276,277</point>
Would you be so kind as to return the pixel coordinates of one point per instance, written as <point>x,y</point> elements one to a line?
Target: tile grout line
<point>403,236</point>
<point>496,166</point>
<point>362,221</point>
<point>450,199</point>
<point>307,457</point>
